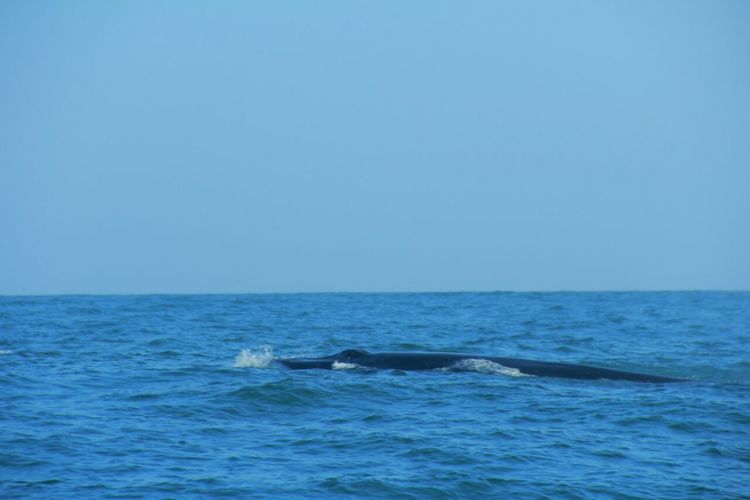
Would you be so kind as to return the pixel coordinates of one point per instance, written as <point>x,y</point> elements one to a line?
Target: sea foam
<point>486,366</point>
<point>339,365</point>
<point>247,358</point>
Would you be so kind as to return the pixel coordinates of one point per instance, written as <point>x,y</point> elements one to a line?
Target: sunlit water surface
<point>178,396</point>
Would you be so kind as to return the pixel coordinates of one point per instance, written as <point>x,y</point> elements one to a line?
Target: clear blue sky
<point>279,146</point>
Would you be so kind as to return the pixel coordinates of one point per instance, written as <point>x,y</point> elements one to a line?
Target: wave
<point>338,365</point>
<point>485,366</point>
<point>247,358</point>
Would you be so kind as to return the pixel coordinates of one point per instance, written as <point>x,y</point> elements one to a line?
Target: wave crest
<point>247,358</point>
<point>486,366</point>
<point>339,365</point>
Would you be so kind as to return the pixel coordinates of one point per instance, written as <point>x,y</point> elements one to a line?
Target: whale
<point>420,361</point>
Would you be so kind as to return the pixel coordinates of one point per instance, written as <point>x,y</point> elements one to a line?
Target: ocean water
<point>178,397</point>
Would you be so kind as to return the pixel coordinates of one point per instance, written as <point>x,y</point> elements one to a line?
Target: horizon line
<point>348,292</point>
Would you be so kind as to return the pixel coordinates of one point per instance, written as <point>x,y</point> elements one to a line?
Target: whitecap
<point>247,358</point>
<point>486,366</point>
<point>3,352</point>
<point>339,365</point>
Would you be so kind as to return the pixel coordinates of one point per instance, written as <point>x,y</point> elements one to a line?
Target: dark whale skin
<point>411,361</point>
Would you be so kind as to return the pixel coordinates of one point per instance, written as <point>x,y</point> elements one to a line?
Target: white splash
<point>488,367</point>
<point>247,358</point>
<point>339,365</point>
<point>3,353</point>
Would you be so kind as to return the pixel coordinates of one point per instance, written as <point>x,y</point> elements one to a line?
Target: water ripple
<point>147,397</point>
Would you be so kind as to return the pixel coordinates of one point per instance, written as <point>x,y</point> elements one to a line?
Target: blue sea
<point>179,397</point>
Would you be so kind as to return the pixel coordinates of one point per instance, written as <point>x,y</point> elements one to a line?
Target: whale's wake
<point>247,358</point>
<point>485,366</point>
